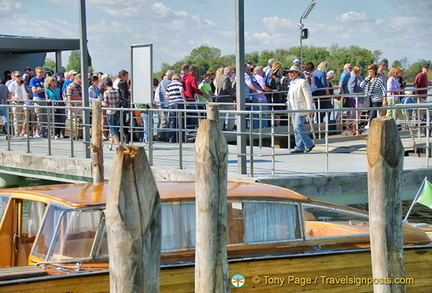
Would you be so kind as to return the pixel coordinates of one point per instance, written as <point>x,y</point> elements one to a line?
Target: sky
<point>398,28</point>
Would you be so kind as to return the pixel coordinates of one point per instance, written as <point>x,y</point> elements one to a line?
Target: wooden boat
<point>53,239</point>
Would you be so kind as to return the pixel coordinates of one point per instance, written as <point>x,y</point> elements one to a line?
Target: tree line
<point>206,57</point>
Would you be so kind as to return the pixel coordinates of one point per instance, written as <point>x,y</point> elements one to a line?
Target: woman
<point>356,90</point>
<point>393,89</point>
<point>53,96</point>
<point>375,91</point>
<point>111,98</point>
<point>320,88</point>
<point>177,99</point>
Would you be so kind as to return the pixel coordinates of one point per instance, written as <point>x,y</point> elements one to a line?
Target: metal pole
<point>240,90</point>
<point>84,79</point>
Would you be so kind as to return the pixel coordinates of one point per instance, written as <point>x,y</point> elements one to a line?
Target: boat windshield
<point>72,234</point>
<point>323,221</point>
<point>4,199</point>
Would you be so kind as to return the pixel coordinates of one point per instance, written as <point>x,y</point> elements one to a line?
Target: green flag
<point>426,195</point>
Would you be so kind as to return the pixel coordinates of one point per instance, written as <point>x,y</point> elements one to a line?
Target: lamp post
<point>304,32</point>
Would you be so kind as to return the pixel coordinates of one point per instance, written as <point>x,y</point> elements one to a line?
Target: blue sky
<point>399,28</point>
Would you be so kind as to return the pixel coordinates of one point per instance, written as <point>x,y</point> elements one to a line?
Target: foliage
<point>206,58</point>
<point>75,62</point>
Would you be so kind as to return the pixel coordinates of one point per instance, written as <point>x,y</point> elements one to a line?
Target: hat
<point>72,72</point>
<point>275,67</point>
<point>425,65</point>
<point>294,68</point>
<point>296,61</point>
<point>108,82</point>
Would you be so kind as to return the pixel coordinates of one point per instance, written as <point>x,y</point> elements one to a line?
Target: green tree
<point>75,62</point>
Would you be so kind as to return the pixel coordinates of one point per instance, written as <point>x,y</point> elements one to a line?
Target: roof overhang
<point>26,45</point>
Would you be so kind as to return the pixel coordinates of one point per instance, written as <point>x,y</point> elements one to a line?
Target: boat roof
<point>94,194</point>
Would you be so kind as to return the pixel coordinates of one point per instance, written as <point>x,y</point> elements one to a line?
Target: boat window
<point>4,199</point>
<point>178,225</point>
<point>33,212</point>
<point>322,221</point>
<point>270,222</point>
<point>77,233</point>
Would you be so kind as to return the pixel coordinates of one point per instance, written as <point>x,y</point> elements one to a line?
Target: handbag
<point>367,102</point>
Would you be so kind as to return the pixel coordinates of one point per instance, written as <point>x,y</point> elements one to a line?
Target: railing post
<point>96,144</point>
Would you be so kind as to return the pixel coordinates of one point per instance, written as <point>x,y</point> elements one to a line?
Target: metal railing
<point>262,140</point>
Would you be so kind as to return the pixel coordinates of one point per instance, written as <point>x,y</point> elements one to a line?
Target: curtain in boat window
<point>36,211</point>
<point>267,221</point>
<point>3,203</point>
<point>178,226</point>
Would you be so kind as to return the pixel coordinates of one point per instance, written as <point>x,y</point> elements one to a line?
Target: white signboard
<point>142,74</point>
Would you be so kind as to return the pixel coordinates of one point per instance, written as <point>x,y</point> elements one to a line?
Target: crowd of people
<point>299,87</point>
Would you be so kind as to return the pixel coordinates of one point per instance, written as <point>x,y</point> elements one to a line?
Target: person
<point>53,96</point>
<point>226,95</point>
<point>307,71</point>
<point>258,98</point>
<point>393,91</point>
<point>163,116</point>
<point>29,114</point>
<point>320,89</point>
<point>74,100</point>
<point>273,81</point>
<point>421,82</point>
<point>300,98</point>
<point>355,89</point>
<point>122,84</point>
<point>268,67</point>
<point>37,86</point>
<point>190,90</point>
<point>176,99</point>
<point>94,92</point>
<point>111,98</point>
<point>382,67</point>
<point>205,87</point>
<point>18,95</point>
<point>375,91</point>
<point>4,113</point>
<point>347,101</point>
<point>69,77</point>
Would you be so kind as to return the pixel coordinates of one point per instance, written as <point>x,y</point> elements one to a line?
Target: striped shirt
<point>111,99</point>
<point>374,89</point>
<point>173,90</point>
<point>73,93</point>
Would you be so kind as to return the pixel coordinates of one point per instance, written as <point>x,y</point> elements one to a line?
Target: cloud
<point>352,16</point>
<point>8,6</point>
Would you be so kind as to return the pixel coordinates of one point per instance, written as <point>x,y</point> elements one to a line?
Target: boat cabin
<point>66,224</point>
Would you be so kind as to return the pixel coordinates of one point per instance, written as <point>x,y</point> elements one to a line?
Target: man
<point>74,97</point>
<point>69,77</point>
<point>344,78</point>
<point>37,87</point>
<point>226,95</point>
<point>268,67</point>
<point>19,94</point>
<point>300,98</point>
<point>421,81</point>
<point>190,90</point>
<point>383,66</point>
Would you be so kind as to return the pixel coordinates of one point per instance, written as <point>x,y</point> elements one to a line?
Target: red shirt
<point>190,87</point>
<point>421,81</point>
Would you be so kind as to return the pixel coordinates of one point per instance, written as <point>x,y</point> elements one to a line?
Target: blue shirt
<point>345,76</point>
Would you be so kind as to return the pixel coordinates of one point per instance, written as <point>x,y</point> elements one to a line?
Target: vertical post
<point>97,149</point>
<point>240,87</point>
<point>385,162</point>
<point>133,218</point>
<point>211,153</point>
<point>84,79</point>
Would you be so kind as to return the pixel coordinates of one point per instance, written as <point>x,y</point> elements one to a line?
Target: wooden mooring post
<point>133,219</point>
<point>96,143</point>
<point>211,159</point>
<point>385,166</point>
